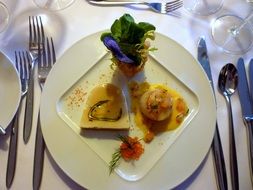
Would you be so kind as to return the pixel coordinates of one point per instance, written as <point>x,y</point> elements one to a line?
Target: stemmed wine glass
<point>4,16</point>
<point>53,5</point>
<point>203,7</point>
<point>233,34</point>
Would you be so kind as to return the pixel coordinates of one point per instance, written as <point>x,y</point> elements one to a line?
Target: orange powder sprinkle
<point>76,98</point>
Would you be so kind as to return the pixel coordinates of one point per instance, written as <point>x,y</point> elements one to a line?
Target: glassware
<point>4,17</point>
<point>53,5</point>
<point>233,34</point>
<point>203,7</point>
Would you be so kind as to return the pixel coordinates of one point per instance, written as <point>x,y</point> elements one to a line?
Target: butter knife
<point>246,104</point>
<point>216,146</point>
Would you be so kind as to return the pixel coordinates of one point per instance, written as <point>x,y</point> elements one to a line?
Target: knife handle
<point>219,161</point>
<point>249,125</point>
<point>38,157</point>
<point>12,155</point>
<point>28,118</point>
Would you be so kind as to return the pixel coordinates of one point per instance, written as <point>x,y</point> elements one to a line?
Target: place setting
<point>129,105</point>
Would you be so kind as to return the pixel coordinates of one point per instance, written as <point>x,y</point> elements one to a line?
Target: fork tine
<point>36,31</point>
<point>26,64</point>
<point>30,31</point>
<point>176,5</point>
<point>21,71</point>
<point>53,51</point>
<point>40,29</point>
<point>16,61</point>
<point>48,54</point>
<point>173,2</point>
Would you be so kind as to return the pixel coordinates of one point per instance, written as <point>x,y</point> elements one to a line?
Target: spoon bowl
<point>227,82</point>
<point>228,79</point>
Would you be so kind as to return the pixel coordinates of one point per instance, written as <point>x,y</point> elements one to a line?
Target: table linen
<point>82,19</point>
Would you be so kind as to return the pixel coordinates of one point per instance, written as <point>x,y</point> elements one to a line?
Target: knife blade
<point>246,104</point>
<point>216,146</point>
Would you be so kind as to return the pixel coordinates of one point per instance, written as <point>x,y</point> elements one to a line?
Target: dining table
<point>81,19</point>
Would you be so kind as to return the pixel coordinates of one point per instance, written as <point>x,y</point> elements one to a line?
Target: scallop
<point>156,104</point>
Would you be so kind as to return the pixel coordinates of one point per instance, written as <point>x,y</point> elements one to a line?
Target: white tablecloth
<point>81,19</point>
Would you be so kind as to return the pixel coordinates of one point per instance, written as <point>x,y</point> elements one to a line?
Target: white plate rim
<point>14,88</point>
<point>85,155</point>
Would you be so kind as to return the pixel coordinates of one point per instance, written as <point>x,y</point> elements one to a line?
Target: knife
<point>216,146</point>
<point>246,104</point>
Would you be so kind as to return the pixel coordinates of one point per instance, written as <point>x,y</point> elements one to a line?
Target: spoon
<point>228,80</point>
<point>2,130</point>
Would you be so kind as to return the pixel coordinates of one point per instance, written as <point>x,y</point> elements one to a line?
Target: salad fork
<point>46,59</point>
<point>36,37</point>
<point>157,7</point>
<point>22,60</point>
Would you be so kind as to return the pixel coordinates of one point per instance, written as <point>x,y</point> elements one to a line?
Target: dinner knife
<point>246,102</point>
<point>216,146</point>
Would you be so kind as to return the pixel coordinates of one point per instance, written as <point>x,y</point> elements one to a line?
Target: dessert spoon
<point>228,80</point>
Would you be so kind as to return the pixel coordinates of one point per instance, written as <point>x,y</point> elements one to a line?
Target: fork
<point>157,7</point>
<point>46,59</point>
<point>22,60</point>
<point>36,37</point>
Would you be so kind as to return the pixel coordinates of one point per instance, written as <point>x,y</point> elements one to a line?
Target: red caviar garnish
<point>130,149</point>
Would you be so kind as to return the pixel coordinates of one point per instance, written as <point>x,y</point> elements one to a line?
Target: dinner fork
<point>36,37</point>
<point>46,59</point>
<point>157,7</point>
<point>22,61</point>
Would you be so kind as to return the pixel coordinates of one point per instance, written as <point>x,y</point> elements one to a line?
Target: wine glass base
<point>53,5</point>
<point>203,7</point>
<point>4,17</point>
<point>232,34</point>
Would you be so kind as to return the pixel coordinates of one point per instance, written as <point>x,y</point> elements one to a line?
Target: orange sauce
<point>149,127</point>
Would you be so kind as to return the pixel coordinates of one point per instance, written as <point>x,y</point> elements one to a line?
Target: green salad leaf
<point>131,36</point>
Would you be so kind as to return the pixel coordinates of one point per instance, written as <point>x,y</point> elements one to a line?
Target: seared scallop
<point>156,104</point>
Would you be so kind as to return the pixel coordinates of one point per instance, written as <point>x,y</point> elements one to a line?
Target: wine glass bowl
<point>4,17</point>
<point>232,34</point>
<point>53,5</point>
<point>203,7</point>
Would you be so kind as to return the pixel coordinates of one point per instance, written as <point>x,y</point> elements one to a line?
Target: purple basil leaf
<point>113,46</point>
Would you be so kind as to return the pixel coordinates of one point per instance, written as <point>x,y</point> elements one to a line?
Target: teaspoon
<point>228,80</point>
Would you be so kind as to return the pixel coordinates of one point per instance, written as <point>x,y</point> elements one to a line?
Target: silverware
<point>246,102</point>
<point>157,7</point>
<point>22,60</point>
<point>227,82</point>
<point>46,59</point>
<point>36,36</point>
<point>216,146</point>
